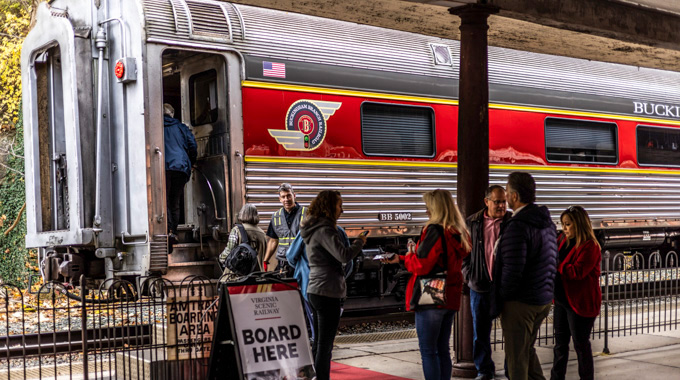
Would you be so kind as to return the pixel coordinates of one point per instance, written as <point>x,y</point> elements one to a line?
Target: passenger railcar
<point>278,97</point>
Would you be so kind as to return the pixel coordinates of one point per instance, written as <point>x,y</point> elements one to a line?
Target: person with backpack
<point>254,237</point>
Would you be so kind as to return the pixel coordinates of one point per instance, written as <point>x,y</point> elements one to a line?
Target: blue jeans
<point>433,327</point>
<point>480,305</point>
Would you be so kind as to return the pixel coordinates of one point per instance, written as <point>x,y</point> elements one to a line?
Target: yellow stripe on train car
<point>332,161</point>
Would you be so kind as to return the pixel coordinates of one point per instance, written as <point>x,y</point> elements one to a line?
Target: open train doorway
<point>195,87</point>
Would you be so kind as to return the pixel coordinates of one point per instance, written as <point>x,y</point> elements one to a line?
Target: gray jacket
<point>326,254</point>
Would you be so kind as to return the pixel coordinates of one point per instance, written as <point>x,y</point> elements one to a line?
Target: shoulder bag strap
<point>244,235</point>
<point>442,232</point>
<point>446,250</point>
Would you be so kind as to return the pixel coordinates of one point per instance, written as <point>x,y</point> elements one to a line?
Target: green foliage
<point>15,259</point>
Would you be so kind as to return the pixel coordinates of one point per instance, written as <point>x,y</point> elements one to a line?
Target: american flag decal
<point>273,69</point>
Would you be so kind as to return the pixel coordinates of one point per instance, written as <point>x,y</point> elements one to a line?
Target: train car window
<point>582,141</point>
<point>397,130</point>
<point>658,146</point>
<point>203,97</point>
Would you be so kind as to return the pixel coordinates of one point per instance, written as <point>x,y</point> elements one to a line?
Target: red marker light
<point>119,70</point>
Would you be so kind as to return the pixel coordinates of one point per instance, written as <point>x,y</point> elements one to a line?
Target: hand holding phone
<point>362,236</point>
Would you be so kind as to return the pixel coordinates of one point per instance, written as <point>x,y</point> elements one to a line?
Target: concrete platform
<point>652,355</point>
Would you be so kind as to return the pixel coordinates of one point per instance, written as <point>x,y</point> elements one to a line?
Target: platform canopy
<point>634,32</point>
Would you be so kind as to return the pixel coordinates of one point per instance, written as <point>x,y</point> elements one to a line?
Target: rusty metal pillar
<point>473,148</point>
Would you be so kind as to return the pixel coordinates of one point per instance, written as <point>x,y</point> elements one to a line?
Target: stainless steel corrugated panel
<point>312,39</point>
<point>516,68</point>
<point>611,199</point>
<point>290,36</point>
<point>367,189</point>
<point>158,250</point>
<point>163,20</point>
<point>203,16</point>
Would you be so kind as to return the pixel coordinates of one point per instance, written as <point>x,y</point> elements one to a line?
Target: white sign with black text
<point>271,331</point>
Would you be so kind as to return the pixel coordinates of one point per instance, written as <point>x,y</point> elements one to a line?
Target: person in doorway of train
<point>484,227</point>
<point>249,218</point>
<point>283,228</point>
<point>443,245</point>
<point>578,296</point>
<point>523,276</point>
<point>180,157</point>
<point>326,288</point>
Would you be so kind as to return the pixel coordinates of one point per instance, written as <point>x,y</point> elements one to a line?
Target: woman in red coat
<point>443,244</point>
<point>577,292</point>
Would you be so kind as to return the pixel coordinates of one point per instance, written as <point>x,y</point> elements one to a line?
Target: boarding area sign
<point>190,327</point>
<point>268,332</point>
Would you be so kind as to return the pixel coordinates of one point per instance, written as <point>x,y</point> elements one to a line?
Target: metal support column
<point>473,148</point>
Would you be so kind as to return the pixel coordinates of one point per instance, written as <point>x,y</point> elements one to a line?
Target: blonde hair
<point>581,223</point>
<point>443,211</point>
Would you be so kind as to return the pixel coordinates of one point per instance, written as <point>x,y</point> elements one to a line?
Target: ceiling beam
<point>614,19</point>
<point>559,37</point>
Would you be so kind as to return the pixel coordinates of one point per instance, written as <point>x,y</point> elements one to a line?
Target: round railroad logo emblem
<point>306,117</point>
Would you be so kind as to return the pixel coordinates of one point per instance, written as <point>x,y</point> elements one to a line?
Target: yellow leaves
<point>29,309</point>
<point>14,22</point>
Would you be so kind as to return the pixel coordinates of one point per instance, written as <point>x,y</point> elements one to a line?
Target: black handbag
<point>430,290</point>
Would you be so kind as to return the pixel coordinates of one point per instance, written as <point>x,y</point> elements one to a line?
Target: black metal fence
<point>156,329</point>
<point>112,331</point>
<point>639,295</point>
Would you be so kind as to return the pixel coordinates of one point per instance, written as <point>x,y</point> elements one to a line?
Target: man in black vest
<point>283,228</point>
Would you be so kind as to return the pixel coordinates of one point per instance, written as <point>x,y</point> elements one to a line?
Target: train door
<point>195,84</point>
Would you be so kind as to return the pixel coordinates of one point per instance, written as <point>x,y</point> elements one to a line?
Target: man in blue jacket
<point>524,273</point>
<point>180,156</point>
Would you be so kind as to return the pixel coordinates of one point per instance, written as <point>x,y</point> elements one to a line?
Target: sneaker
<point>172,239</point>
<point>484,377</point>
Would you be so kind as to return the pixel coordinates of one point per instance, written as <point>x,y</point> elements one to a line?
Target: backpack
<point>242,259</point>
<point>297,258</point>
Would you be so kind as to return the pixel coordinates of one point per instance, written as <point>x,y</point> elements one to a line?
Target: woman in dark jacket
<point>326,288</point>
<point>577,293</point>
<point>433,323</point>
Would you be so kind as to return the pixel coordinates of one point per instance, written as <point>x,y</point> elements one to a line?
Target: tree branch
<point>16,221</point>
<point>12,169</point>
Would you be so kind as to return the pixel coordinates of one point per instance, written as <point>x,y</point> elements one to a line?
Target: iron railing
<point>161,330</point>
<point>640,295</point>
<point>111,331</point>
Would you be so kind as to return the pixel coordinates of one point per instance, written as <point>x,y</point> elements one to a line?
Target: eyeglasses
<point>498,202</point>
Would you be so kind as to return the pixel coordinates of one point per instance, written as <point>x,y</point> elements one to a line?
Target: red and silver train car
<point>278,97</point>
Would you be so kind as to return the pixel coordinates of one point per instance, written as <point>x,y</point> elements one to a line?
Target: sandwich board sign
<point>261,333</point>
<point>190,327</point>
